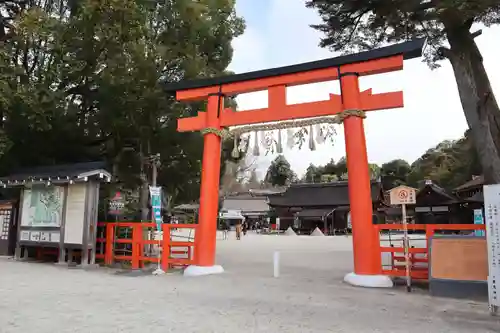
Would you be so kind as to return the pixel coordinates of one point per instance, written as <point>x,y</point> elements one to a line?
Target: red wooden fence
<point>135,253</point>
<point>417,255</point>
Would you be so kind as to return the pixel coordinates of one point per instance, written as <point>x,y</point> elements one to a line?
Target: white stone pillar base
<point>194,270</point>
<point>369,281</point>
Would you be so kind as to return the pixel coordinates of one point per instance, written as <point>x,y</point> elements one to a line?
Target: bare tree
<point>237,175</point>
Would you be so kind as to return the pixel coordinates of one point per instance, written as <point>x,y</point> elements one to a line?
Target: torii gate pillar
<point>365,238</point>
<point>206,232</point>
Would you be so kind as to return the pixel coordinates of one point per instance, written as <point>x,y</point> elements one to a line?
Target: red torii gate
<point>351,104</point>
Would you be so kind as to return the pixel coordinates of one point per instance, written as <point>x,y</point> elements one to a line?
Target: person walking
<point>238,229</point>
<point>225,230</point>
<point>245,228</point>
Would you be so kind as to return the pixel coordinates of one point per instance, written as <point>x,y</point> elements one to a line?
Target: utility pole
<point>155,163</point>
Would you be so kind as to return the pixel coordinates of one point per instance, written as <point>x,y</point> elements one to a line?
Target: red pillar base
<point>369,281</point>
<point>194,270</point>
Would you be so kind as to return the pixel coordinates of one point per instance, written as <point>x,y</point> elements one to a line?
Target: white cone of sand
<point>317,232</point>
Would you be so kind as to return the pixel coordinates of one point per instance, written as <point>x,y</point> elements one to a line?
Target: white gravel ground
<point>309,296</point>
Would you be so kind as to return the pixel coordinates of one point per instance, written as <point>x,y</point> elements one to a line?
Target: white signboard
<point>232,215</point>
<point>492,219</point>
<point>75,214</point>
<point>116,204</point>
<point>403,195</point>
<point>39,236</point>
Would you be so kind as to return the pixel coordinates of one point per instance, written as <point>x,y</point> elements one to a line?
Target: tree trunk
<point>144,197</point>
<point>478,101</point>
<point>143,190</point>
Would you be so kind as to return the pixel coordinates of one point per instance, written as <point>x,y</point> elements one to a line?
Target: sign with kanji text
<point>478,219</point>
<point>116,204</point>
<point>403,195</point>
<point>492,220</point>
<point>155,193</point>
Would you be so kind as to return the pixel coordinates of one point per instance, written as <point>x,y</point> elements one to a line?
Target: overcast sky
<point>278,34</point>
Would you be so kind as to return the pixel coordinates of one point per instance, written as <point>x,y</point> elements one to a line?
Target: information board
<point>42,206</point>
<point>116,204</point>
<point>492,219</point>
<point>403,195</point>
<point>74,225</point>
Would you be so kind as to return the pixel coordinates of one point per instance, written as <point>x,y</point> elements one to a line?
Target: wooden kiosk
<point>58,209</point>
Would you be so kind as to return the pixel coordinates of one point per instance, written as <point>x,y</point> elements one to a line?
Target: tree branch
<point>356,24</point>
<point>476,33</point>
<point>445,52</point>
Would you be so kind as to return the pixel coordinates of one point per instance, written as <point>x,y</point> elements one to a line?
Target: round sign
<point>403,194</point>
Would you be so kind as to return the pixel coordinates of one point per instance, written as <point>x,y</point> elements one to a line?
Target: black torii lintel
<point>409,50</point>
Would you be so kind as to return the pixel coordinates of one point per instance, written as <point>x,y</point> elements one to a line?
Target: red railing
<point>419,256</point>
<point>133,249</point>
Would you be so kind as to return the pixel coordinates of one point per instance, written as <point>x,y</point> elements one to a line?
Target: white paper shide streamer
<point>268,138</point>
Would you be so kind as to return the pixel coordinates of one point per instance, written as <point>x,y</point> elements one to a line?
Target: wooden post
<point>62,228</point>
<point>94,222</point>
<point>110,244</point>
<point>206,233</point>
<point>136,245</point>
<point>18,251</point>
<point>87,217</point>
<point>367,260</point>
<point>406,244</point>
<point>165,255</point>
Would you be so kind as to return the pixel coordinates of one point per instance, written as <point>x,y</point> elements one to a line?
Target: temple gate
<point>348,109</point>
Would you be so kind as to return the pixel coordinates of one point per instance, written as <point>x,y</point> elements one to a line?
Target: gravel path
<point>309,296</point>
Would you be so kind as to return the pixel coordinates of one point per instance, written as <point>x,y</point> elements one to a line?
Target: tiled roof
<point>246,205</point>
<point>187,207</point>
<point>54,171</point>
<point>478,197</point>
<point>476,182</point>
<point>433,194</point>
<point>319,213</point>
<point>264,192</point>
<point>321,194</point>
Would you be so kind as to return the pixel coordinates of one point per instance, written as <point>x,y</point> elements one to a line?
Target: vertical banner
<point>478,219</point>
<point>492,221</point>
<point>155,193</point>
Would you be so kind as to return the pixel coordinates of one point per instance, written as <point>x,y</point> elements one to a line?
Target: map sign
<point>42,206</point>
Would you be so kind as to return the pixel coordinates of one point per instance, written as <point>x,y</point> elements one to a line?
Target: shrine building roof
<point>320,195</point>
<point>63,173</point>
